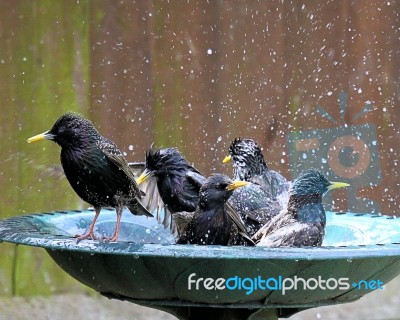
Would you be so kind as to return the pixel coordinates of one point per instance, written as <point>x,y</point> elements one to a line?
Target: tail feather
<point>138,210</point>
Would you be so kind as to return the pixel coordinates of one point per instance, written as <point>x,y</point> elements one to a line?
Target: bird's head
<point>69,130</point>
<point>247,158</point>
<point>217,189</point>
<point>313,182</point>
<point>162,161</point>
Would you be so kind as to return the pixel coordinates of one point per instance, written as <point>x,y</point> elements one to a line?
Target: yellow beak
<point>227,159</point>
<point>39,137</point>
<point>143,177</point>
<point>337,185</point>
<point>236,184</point>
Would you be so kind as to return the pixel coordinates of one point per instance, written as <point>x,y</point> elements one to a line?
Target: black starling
<point>249,165</point>
<point>214,222</point>
<point>95,168</point>
<point>303,223</point>
<point>268,192</point>
<point>168,174</point>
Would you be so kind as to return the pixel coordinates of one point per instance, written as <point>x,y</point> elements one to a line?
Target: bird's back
<point>272,183</point>
<point>302,224</point>
<point>254,206</point>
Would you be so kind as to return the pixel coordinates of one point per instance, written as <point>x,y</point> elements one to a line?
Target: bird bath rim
<point>35,238</point>
<point>156,274</point>
<point>207,252</point>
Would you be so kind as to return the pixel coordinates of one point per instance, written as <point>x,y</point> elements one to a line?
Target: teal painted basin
<point>146,267</point>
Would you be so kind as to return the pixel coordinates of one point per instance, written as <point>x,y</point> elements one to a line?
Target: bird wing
<point>295,234</point>
<point>196,177</point>
<point>276,222</point>
<point>113,154</point>
<point>237,220</point>
<point>262,215</point>
<point>253,203</point>
<point>152,200</point>
<point>182,220</point>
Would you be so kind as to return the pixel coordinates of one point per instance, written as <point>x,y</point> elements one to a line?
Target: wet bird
<point>249,165</point>
<point>173,184</point>
<point>95,168</point>
<point>268,192</point>
<point>214,222</point>
<point>303,223</point>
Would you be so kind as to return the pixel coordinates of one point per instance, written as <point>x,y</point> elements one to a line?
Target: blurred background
<point>315,83</point>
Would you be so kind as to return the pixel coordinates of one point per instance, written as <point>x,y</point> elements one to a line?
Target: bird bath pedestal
<point>146,268</point>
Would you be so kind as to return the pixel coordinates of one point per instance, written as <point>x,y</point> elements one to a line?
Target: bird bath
<point>146,268</point>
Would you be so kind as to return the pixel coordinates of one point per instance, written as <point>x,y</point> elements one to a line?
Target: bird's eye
<point>221,186</point>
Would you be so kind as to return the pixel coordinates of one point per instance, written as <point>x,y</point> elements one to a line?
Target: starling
<point>303,223</point>
<point>249,165</point>
<point>214,222</point>
<point>95,168</point>
<point>173,183</point>
<point>267,194</point>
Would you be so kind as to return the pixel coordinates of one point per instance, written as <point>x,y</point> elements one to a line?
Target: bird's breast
<point>93,177</point>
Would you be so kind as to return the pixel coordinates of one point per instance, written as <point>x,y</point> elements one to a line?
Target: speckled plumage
<point>213,223</point>
<point>266,196</point>
<point>303,223</point>
<point>95,168</point>
<point>249,165</point>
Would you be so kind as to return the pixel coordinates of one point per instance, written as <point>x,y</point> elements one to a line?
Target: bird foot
<point>110,239</point>
<point>88,235</point>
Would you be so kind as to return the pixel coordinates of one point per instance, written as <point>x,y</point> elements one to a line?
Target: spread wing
<point>152,200</point>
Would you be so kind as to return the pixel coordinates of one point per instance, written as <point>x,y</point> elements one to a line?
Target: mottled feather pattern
<point>95,168</point>
<point>298,235</point>
<point>249,165</point>
<point>101,176</point>
<point>116,156</point>
<point>267,195</point>
<point>303,223</point>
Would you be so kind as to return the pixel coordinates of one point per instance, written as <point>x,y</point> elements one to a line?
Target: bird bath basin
<point>147,268</point>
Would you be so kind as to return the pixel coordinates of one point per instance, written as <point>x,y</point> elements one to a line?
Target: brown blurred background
<point>315,83</point>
